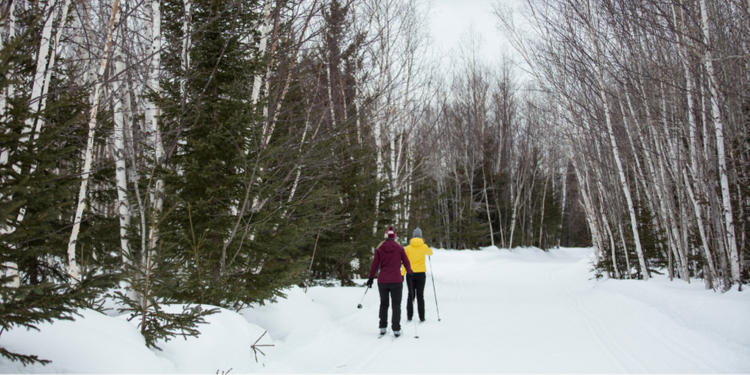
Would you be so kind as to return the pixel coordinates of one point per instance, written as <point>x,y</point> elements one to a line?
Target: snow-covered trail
<point>522,312</point>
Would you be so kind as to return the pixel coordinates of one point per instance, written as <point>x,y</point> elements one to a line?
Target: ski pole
<point>433,288</point>
<point>363,298</point>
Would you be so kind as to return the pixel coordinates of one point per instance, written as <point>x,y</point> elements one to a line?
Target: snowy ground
<point>525,311</point>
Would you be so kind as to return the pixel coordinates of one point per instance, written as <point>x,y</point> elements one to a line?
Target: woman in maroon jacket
<point>388,257</point>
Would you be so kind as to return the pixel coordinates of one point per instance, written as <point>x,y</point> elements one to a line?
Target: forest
<point>215,152</point>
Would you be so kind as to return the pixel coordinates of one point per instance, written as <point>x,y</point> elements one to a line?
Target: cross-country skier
<point>415,282</point>
<point>388,258</point>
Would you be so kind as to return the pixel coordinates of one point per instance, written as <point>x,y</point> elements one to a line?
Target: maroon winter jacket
<point>388,257</point>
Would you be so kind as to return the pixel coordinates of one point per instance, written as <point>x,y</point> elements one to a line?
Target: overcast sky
<point>452,19</point>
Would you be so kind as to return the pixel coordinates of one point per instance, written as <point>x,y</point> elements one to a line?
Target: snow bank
<point>711,313</point>
<point>93,343</point>
<point>97,343</point>
<point>224,344</point>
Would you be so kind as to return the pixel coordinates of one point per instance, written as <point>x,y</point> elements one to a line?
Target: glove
<point>369,283</point>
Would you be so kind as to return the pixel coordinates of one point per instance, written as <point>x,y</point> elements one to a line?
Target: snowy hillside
<point>501,312</point>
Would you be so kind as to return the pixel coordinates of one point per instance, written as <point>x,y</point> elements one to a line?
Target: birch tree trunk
<point>564,200</point>
<point>122,110</point>
<point>588,206</point>
<point>616,152</point>
<point>487,208</point>
<point>152,116</point>
<point>625,249</point>
<point>544,200</point>
<point>4,94</point>
<point>721,153</point>
<point>86,172</point>
<point>515,207</point>
<point>37,90</point>
<point>261,50</point>
<point>48,75</point>
<point>11,268</point>
<point>186,45</point>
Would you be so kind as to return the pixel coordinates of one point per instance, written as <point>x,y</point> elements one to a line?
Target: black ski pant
<point>415,283</point>
<point>394,290</point>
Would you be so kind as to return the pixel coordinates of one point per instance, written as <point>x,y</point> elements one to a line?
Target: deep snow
<point>525,311</point>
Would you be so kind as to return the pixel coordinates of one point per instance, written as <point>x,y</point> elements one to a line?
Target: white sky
<point>451,20</point>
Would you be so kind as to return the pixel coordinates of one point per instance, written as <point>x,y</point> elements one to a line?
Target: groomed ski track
<point>525,311</point>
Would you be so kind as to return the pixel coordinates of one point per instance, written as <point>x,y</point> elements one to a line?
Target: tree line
<point>650,104</point>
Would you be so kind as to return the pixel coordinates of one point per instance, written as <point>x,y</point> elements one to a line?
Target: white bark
<point>50,66</point>
<point>625,247</point>
<point>690,87</point>
<point>3,113</point>
<point>409,183</point>
<point>587,205</point>
<point>698,210</point>
<point>564,201</point>
<point>620,169</point>
<point>11,268</point>
<point>85,173</point>
<point>638,167</point>
<point>394,167</point>
<point>514,216</point>
<point>544,200</point>
<point>726,198</point>
<point>121,110</point>
<point>378,173</point>
<point>152,112</point>
<point>186,44</point>
<point>261,50</point>
<point>383,61</point>
<point>330,89</point>
<point>487,208</point>
<point>666,185</point>
<point>299,166</point>
<point>356,88</point>
<point>35,101</point>
<point>612,244</point>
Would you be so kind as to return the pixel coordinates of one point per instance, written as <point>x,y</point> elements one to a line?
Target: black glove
<point>369,283</point>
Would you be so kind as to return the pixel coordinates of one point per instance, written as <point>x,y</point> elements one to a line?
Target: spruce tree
<point>345,247</point>
<point>229,239</point>
<point>37,187</point>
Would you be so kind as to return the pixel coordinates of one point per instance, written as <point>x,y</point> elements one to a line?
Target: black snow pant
<point>415,283</point>
<point>394,289</point>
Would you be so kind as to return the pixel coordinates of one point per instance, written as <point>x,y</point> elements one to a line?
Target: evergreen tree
<point>345,247</point>
<point>37,189</point>
<point>223,213</point>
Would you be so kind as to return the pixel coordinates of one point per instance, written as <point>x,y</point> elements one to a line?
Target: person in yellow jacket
<point>416,251</point>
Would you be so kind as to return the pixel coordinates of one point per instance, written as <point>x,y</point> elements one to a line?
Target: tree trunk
<point>721,153</point>
<point>86,172</point>
<point>615,149</point>
<point>487,207</point>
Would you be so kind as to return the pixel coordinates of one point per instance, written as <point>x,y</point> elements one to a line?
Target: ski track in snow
<point>525,311</point>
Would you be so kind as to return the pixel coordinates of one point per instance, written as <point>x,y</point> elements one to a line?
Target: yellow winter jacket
<point>416,251</point>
